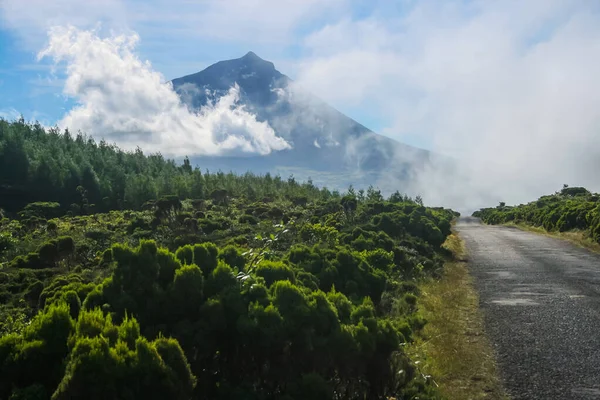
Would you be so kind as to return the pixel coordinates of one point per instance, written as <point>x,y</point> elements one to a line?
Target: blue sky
<point>33,88</point>
<point>21,84</point>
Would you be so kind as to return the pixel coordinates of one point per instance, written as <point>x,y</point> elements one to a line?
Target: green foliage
<point>47,255</point>
<point>45,210</point>
<point>128,367</point>
<point>205,256</point>
<point>56,290</point>
<point>71,298</point>
<point>232,256</point>
<point>33,291</point>
<point>30,261</point>
<point>185,255</point>
<point>168,207</point>
<point>380,259</point>
<point>7,242</point>
<point>272,271</point>
<point>342,305</point>
<point>574,191</point>
<point>33,392</point>
<point>257,288</point>
<point>188,287</point>
<point>210,225</point>
<point>220,280</point>
<point>573,208</point>
<point>248,219</point>
<point>47,172</point>
<point>318,233</point>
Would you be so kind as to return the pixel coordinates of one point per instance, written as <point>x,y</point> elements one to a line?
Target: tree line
<point>84,176</point>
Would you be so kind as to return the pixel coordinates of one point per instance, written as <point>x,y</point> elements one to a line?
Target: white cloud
<point>31,19</point>
<point>122,99</point>
<point>255,21</point>
<point>9,114</point>
<point>248,21</point>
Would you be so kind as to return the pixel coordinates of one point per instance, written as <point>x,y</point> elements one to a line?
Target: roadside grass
<point>452,347</point>
<point>577,237</point>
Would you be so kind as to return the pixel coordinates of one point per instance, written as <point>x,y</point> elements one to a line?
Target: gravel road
<point>541,303</point>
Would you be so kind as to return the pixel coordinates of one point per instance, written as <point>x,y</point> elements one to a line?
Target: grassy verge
<point>453,347</point>
<point>578,238</point>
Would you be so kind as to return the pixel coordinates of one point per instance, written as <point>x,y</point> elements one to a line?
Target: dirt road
<point>541,302</point>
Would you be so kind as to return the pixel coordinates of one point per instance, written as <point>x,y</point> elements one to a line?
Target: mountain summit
<point>252,57</point>
<point>322,138</point>
<point>254,76</point>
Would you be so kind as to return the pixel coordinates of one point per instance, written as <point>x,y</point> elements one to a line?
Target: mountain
<point>324,141</point>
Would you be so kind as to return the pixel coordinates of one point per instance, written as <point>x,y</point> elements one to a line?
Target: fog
<point>508,89</point>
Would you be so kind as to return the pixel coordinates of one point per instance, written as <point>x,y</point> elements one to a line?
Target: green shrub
<point>573,208</point>
<point>205,256</point>
<point>233,257</point>
<point>51,226</point>
<point>185,255</point>
<point>48,252</point>
<point>42,210</point>
<point>248,219</point>
<point>141,234</point>
<point>65,245</point>
<point>98,235</point>
<point>210,225</point>
<point>7,243</point>
<point>273,271</point>
<point>33,291</point>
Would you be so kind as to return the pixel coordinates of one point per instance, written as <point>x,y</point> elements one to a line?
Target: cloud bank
<point>510,89</point>
<point>123,100</point>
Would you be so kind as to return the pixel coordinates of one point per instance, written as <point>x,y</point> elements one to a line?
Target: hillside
<point>183,285</point>
<point>322,138</point>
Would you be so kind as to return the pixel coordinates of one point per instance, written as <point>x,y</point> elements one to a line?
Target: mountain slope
<point>322,138</point>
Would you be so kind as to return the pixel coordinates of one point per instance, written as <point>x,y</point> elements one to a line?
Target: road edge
<point>453,347</point>
<point>578,238</point>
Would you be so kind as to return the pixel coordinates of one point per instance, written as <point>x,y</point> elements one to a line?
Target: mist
<point>509,90</point>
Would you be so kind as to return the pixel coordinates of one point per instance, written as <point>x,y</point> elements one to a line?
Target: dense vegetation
<point>158,281</point>
<point>572,208</point>
<point>85,177</point>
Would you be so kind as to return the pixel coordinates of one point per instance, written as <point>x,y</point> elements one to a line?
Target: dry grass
<point>453,347</point>
<point>578,238</point>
